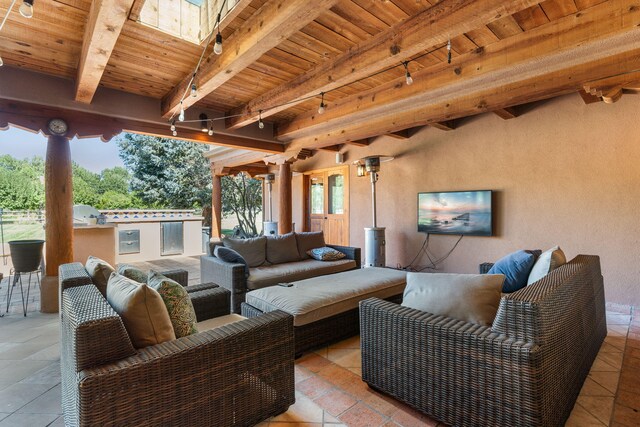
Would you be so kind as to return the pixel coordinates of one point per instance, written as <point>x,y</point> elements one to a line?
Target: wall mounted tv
<point>456,212</point>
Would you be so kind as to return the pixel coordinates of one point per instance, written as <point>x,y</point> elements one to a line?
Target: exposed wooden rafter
<point>506,113</point>
<point>446,125</point>
<point>274,22</point>
<point>536,53</point>
<point>87,125</point>
<point>105,22</point>
<point>610,89</point>
<point>359,143</point>
<point>415,35</point>
<point>134,15</point>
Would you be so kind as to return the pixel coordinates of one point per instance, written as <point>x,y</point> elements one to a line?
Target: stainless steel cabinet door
<point>172,238</point>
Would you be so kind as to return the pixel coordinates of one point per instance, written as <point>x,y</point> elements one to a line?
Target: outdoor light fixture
<point>181,116</point>
<point>26,8</point>
<point>260,122</point>
<point>204,122</point>
<point>407,74</point>
<point>211,129</point>
<point>217,47</point>
<point>270,227</point>
<point>194,90</point>
<point>322,106</point>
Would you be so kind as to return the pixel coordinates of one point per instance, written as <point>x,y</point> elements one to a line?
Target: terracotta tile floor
<point>329,389</point>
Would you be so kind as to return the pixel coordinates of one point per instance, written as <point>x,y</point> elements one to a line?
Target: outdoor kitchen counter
<point>96,240</point>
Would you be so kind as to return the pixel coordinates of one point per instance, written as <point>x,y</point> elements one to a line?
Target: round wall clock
<point>57,126</point>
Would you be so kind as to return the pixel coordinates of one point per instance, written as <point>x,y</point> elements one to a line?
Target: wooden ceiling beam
<point>544,86</point>
<point>105,22</point>
<point>446,125</point>
<point>274,22</point>
<point>532,53</point>
<point>134,15</point>
<point>334,148</point>
<point>401,134</point>
<point>506,113</point>
<point>359,143</point>
<point>34,117</point>
<point>588,98</point>
<point>415,35</point>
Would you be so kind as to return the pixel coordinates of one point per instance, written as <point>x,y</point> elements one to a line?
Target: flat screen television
<point>456,212</point>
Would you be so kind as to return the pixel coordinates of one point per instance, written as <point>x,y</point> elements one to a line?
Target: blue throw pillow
<point>516,268</point>
<point>229,255</point>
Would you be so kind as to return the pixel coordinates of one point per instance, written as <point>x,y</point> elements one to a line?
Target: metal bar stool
<point>26,256</point>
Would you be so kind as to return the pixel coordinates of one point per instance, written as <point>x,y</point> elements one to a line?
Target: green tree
<point>242,197</point>
<point>21,184</point>
<point>166,173</point>
<point>85,186</point>
<point>115,179</point>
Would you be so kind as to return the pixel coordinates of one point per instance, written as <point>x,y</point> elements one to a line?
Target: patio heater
<point>269,227</point>
<point>374,240</point>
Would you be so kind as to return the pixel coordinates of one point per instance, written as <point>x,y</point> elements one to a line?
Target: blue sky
<point>91,153</point>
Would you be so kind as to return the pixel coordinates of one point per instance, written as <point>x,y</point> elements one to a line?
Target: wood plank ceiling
<point>532,46</point>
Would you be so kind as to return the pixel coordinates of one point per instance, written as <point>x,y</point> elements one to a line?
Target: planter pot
<point>26,255</point>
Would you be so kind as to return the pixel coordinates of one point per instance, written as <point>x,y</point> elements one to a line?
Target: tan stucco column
<point>216,205</point>
<point>59,217</point>
<point>286,205</point>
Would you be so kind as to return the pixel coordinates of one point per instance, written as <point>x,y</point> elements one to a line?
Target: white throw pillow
<point>473,298</point>
<point>546,263</point>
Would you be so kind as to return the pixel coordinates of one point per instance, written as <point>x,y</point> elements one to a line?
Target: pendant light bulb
<point>260,122</point>
<point>181,116</point>
<point>449,52</point>
<point>322,107</point>
<point>175,133</point>
<point>194,90</point>
<point>1,62</point>
<point>407,74</point>
<point>26,9</point>
<point>211,130</point>
<point>217,47</point>
<point>173,127</point>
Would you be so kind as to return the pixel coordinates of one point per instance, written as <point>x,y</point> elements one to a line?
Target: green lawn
<point>23,231</point>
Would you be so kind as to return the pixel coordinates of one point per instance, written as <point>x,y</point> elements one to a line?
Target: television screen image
<point>455,212</point>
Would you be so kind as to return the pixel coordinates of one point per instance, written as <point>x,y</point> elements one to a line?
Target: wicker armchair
<point>525,370</point>
<point>234,375</point>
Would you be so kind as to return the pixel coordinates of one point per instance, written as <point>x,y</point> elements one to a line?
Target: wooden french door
<point>328,204</point>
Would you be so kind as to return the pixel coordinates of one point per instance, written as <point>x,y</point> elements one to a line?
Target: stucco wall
<point>564,173</point>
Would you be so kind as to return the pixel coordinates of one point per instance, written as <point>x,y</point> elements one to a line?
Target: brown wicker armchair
<point>234,375</point>
<point>525,370</point>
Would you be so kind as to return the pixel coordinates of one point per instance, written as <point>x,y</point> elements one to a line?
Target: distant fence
<point>29,217</point>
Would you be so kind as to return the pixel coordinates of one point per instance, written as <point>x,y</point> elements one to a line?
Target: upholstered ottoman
<point>325,308</point>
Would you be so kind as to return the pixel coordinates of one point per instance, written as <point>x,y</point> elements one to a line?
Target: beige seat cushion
<point>473,298</point>
<point>216,322</point>
<point>100,271</point>
<point>270,275</point>
<point>253,250</point>
<point>142,310</point>
<point>546,263</point>
<point>282,249</point>
<point>317,298</point>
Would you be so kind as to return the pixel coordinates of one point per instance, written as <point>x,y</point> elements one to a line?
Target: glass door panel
<point>317,195</point>
<point>336,194</point>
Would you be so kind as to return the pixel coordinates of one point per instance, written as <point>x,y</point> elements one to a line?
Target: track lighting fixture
<point>407,74</point>
<point>322,107</point>
<point>26,8</point>
<point>217,47</point>
<point>260,122</point>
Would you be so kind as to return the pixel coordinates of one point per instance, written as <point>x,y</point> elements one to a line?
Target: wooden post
<point>59,217</point>
<point>216,205</point>
<point>286,205</point>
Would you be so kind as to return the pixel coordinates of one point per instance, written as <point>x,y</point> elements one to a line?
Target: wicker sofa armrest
<point>351,253</point>
<point>238,374</point>
<point>94,336</point>
<point>179,275</point>
<point>73,274</point>
<point>227,275</point>
<point>485,267</point>
<point>211,302</point>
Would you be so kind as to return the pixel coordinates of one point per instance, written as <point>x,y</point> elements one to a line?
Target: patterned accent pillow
<point>325,254</point>
<point>133,273</point>
<point>179,305</point>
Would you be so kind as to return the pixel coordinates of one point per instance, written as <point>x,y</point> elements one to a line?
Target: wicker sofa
<point>232,276</point>
<point>527,369</point>
<point>234,375</point>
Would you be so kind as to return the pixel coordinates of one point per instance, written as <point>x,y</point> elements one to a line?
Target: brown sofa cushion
<point>473,298</point>
<point>142,310</point>
<point>309,240</point>
<point>253,250</point>
<point>100,271</point>
<point>282,249</point>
